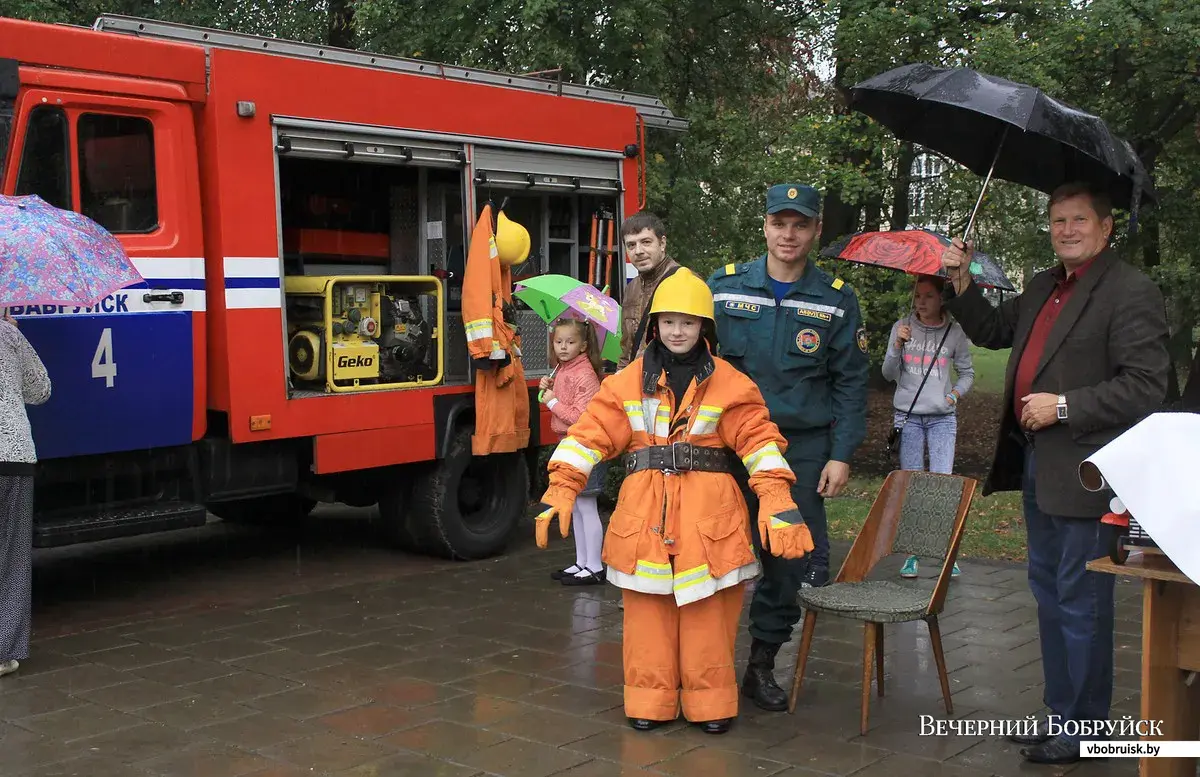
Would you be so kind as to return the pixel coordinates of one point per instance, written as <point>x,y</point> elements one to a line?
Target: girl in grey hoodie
<point>932,424</point>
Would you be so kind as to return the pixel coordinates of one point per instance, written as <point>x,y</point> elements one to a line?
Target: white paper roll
<point>1154,470</point>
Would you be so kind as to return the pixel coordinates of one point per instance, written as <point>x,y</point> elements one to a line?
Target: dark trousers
<point>773,609</point>
<point>1075,609</point>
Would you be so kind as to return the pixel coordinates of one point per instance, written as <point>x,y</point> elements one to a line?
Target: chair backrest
<point>927,516</point>
<point>917,513</point>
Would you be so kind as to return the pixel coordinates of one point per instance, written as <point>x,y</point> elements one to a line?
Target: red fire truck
<point>292,208</point>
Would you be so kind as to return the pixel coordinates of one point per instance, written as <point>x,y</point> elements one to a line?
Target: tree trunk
<point>903,185</point>
<point>341,24</point>
<point>840,217</point>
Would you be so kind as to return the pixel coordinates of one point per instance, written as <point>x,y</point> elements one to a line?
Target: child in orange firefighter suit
<point>678,542</point>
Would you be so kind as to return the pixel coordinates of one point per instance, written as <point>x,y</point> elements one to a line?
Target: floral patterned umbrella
<point>915,251</point>
<point>552,296</point>
<point>50,256</point>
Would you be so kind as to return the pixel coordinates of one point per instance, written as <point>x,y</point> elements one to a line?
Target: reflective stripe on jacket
<point>685,534</point>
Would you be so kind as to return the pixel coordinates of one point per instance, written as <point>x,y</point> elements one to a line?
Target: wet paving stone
<point>444,739</point>
<point>372,720</point>
<point>357,661</point>
<point>631,747</point>
<point>328,751</point>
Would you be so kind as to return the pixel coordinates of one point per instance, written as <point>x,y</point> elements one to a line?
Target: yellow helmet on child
<point>512,241</point>
<point>683,292</point>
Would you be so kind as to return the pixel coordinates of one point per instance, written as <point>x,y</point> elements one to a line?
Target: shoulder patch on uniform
<point>838,283</point>
<point>861,336</point>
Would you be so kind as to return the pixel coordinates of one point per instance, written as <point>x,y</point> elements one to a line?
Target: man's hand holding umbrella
<point>956,261</point>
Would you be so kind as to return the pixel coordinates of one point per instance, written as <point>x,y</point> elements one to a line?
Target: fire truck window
<point>117,186</point>
<point>44,170</point>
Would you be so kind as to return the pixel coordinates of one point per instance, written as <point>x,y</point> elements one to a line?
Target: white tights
<point>589,535</point>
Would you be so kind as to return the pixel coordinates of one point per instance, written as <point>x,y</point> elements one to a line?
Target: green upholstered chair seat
<point>881,601</point>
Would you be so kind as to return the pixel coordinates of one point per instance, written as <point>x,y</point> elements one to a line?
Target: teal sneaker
<point>910,568</point>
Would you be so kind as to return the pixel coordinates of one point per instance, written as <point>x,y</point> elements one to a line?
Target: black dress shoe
<point>759,683</point>
<point>641,724</point>
<point>1057,750</point>
<point>591,578</point>
<point>716,726</point>
<point>1040,734</point>
<point>559,574</point>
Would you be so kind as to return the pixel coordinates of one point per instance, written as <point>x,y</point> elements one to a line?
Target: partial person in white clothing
<point>23,381</point>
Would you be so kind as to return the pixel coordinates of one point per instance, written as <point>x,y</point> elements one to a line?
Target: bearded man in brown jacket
<point>645,239</point>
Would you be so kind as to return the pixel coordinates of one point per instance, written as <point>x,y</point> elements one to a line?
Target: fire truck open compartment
<point>363,311</point>
<point>374,201</point>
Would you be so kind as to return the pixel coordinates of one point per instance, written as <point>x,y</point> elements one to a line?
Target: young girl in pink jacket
<point>576,359</point>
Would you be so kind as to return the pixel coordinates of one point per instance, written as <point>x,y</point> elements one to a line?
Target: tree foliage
<point>765,83</point>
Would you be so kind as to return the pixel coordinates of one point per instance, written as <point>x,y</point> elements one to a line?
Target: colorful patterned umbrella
<point>553,296</point>
<point>50,256</point>
<point>915,251</point>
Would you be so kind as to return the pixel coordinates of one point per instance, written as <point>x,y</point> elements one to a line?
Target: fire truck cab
<point>300,216</point>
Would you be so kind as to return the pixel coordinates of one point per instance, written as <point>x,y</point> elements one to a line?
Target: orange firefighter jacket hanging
<point>501,394</point>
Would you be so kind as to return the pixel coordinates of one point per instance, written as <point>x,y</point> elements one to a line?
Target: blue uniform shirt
<point>804,345</point>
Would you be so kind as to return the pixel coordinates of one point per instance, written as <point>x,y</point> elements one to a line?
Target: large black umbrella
<point>1003,129</point>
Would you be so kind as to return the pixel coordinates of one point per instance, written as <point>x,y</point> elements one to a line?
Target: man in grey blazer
<point>1089,359</point>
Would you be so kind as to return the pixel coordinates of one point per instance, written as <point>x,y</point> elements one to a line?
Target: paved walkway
<point>225,653</point>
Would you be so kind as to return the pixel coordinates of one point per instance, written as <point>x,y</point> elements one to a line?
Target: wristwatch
<point>1062,407</point>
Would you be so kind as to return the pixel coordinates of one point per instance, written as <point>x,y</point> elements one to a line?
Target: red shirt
<point>1036,344</point>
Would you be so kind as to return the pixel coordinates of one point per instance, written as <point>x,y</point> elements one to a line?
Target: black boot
<point>716,726</point>
<point>759,681</point>
<point>641,724</point>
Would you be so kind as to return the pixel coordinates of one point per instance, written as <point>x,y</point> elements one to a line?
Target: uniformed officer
<point>798,333</point>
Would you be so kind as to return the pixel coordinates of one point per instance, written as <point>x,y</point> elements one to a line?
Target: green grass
<point>989,370</point>
<point>994,527</point>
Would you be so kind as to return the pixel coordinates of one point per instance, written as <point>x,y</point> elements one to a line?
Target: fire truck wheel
<point>468,506</point>
<point>272,510</point>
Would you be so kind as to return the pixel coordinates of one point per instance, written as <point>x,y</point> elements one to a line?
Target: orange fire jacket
<point>501,394</point>
<point>684,534</point>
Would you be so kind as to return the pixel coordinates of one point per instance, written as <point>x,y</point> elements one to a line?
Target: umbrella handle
<point>542,393</point>
<point>986,181</point>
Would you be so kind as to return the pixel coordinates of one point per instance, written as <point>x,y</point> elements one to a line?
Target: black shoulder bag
<point>893,440</point>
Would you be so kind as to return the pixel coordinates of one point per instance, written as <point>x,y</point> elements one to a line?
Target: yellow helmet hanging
<point>512,241</point>
<point>683,292</point>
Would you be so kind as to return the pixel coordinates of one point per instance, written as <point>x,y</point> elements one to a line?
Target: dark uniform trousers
<point>774,610</point>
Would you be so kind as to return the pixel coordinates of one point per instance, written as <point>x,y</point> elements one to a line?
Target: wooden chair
<point>917,513</point>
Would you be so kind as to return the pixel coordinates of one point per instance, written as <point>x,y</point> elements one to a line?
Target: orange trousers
<point>683,654</point>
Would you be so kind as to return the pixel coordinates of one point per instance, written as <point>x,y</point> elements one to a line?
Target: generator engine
<point>376,334</point>
<point>404,339</point>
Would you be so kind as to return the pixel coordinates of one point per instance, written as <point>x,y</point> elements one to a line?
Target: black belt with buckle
<point>678,457</point>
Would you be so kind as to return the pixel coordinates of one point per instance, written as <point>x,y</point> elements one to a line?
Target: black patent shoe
<point>716,726</point>
<point>559,574</point>
<point>591,578</point>
<point>641,724</point>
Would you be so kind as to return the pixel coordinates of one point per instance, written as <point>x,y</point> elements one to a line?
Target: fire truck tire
<point>468,506</point>
<point>272,510</point>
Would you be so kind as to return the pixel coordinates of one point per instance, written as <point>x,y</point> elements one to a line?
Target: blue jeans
<point>1075,609</point>
<point>936,433</point>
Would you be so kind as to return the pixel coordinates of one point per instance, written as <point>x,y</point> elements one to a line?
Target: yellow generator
<point>361,333</point>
